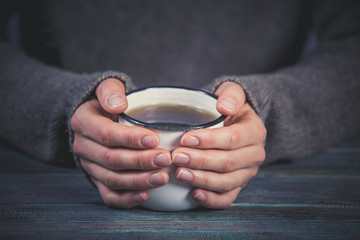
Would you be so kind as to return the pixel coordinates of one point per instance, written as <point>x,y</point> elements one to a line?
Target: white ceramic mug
<point>174,196</point>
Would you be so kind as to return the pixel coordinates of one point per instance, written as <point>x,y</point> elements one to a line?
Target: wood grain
<point>317,198</point>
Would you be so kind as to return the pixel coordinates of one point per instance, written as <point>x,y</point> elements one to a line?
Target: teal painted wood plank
<point>249,221</point>
<point>265,188</point>
<point>318,198</point>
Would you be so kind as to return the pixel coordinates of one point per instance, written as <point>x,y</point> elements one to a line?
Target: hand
<point>112,153</point>
<point>220,162</point>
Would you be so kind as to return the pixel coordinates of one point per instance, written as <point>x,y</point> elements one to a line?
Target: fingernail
<point>185,176</point>
<point>180,159</point>
<point>157,179</point>
<point>228,104</point>
<point>200,197</point>
<point>190,141</point>
<point>139,197</point>
<point>162,160</point>
<point>149,141</point>
<point>116,100</point>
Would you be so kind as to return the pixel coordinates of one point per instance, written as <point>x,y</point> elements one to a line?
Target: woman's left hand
<point>219,162</point>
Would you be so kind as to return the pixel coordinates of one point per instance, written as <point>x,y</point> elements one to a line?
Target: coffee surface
<point>171,115</point>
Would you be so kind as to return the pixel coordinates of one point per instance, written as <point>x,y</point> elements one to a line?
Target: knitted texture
<point>307,102</point>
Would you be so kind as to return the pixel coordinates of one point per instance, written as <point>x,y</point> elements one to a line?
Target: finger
<point>231,97</point>
<point>125,179</point>
<point>210,199</point>
<point>89,122</point>
<point>120,199</point>
<point>250,130</point>
<point>214,181</point>
<point>111,95</point>
<point>219,160</point>
<point>120,158</point>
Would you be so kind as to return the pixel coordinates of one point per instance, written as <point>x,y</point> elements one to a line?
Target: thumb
<point>231,98</point>
<point>111,95</point>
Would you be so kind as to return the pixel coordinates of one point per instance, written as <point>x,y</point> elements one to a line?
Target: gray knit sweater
<point>308,97</point>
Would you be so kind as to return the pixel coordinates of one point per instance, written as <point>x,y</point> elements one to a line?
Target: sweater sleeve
<point>314,103</point>
<point>37,102</point>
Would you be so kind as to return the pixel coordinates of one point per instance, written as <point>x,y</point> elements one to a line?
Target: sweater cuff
<point>256,95</point>
<point>91,88</point>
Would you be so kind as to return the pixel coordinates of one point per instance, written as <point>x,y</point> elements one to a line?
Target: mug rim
<point>173,128</point>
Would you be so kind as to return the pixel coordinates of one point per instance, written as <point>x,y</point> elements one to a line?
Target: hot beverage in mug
<point>172,115</point>
<point>170,112</point>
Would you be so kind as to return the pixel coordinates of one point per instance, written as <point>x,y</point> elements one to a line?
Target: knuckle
<point>138,182</point>
<point>204,179</point>
<point>201,161</point>
<point>108,200</point>
<point>228,165</point>
<point>227,203</point>
<point>138,161</point>
<point>262,156</point>
<point>104,135</point>
<point>76,146</point>
<point>141,161</point>
<point>206,137</point>
<point>74,122</point>
<point>114,200</point>
<point>228,185</point>
<point>263,133</point>
<point>111,201</point>
<point>234,139</point>
<point>109,160</point>
<point>224,189</point>
<point>129,138</point>
<point>259,157</point>
<point>210,140</point>
<point>84,165</point>
<point>109,180</point>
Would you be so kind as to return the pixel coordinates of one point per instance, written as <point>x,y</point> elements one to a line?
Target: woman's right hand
<point>122,161</point>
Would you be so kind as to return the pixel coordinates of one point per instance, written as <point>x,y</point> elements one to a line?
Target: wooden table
<point>318,198</point>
